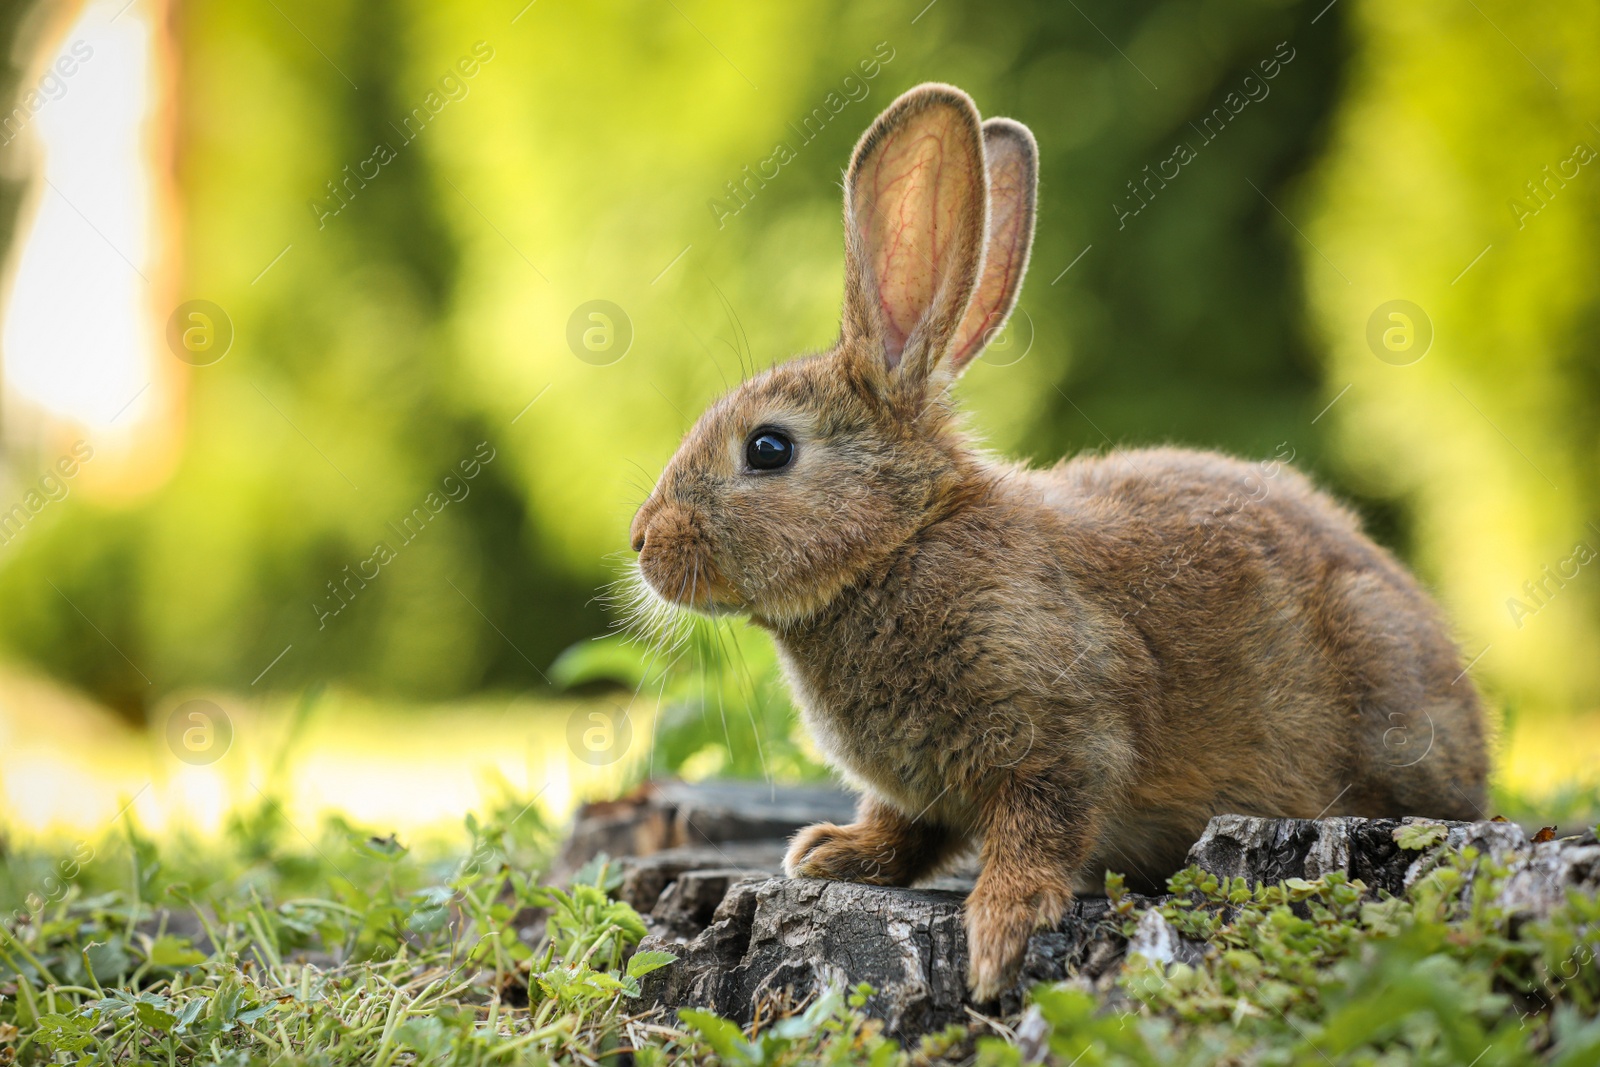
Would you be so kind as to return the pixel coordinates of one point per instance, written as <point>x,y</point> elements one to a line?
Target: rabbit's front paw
<point>851,853</point>
<point>998,928</point>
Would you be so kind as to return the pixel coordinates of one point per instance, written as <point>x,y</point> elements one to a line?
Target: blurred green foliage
<point>722,707</point>
<point>1444,186</point>
<point>418,313</point>
<point>13,32</point>
<point>531,159</point>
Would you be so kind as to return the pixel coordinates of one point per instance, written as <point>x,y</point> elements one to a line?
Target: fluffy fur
<point>1073,667</point>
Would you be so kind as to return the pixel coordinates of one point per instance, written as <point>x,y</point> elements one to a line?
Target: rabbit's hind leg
<point>1419,747</point>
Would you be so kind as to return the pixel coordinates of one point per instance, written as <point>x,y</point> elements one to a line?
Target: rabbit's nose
<point>641,524</point>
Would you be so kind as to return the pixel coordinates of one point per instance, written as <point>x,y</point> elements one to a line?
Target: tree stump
<point>703,865</point>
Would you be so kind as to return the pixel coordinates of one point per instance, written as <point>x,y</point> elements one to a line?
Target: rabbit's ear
<point>915,208</point>
<point>1013,165</point>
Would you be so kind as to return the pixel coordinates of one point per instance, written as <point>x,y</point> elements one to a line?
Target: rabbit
<point>1070,669</point>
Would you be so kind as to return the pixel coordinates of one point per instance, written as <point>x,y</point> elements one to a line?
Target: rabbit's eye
<point>769,450</point>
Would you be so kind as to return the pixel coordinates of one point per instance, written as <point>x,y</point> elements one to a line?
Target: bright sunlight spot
<point>69,767</point>
<point>78,314</point>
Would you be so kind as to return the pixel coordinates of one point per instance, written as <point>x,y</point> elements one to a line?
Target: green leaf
<point>650,1056</point>
<point>383,847</point>
<point>424,1036</point>
<point>1299,888</point>
<point>1383,916</point>
<point>994,1052</point>
<point>191,1011</point>
<point>628,920</point>
<point>643,963</point>
<point>170,951</point>
<point>724,1037</point>
<point>609,659</point>
<point>435,896</point>
<point>1420,835</point>
<point>154,1017</point>
<point>65,1033</point>
<point>107,959</point>
<point>432,909</point>
<point>601,872</point>
<point>884,1055</point>
<point>1116,887</point>
<point>226,1004</point>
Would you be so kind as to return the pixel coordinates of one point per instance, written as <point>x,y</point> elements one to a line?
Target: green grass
<point>351,949</point>
<point>266,947</point>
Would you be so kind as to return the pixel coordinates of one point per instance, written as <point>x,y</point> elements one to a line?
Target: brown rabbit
<point>1076,666</point>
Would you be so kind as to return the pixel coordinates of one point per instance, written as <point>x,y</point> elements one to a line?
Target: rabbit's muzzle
<point>676,557</point>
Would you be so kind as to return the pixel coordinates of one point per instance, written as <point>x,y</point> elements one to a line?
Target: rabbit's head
<point>796,481</point>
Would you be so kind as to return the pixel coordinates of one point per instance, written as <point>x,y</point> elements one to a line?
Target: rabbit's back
<point>1301,670</point>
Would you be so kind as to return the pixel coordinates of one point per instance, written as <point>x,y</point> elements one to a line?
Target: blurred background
<point>340,341</point>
